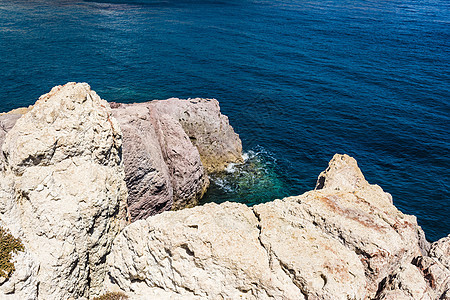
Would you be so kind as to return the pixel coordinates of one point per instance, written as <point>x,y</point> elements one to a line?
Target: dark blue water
<point>299,80</point>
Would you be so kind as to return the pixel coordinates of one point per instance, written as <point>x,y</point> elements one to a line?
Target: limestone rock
<point>407,283</point>
<point>319,265</point>
<point>440,250</point>
<point>66,123</point>
<point>435,268</point>
<point>208,129</point>
<point>23,283</point>
<point>342,241</point>
<point>342,173</point>
<point>169,145</point>
<point>147,175</point>
<point>363,218</point>
<point>62,193</point>
<point>426,277</point>
<point>208,252</point>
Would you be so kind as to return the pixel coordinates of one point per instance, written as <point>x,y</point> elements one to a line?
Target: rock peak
<point>342,173</point>
<point>64,123</point>
<point>62,190</point>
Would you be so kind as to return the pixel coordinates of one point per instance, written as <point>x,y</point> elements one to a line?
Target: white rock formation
<point>168,148</point>
<point>342,241</point>
<point>207,252</point>
<point>62,193</point>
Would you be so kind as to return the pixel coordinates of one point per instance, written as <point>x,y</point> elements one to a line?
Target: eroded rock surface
<point>426,277</point>
<point>208,129</point>
<point>147,175</point>
<point>207,251</point>
<point>169,146</point>
<point>62,192</point>
<point>344,240</point>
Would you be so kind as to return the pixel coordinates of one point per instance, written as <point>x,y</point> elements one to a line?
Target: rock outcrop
<point>65,170</point>
<point>344,240</point>
<point>208,129</point>
<point>63,194</point>
<point>169,146</point>
<point>66,164</point>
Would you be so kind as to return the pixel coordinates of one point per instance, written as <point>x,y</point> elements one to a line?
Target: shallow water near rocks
<point>254,181</point>
<point>299,80</point>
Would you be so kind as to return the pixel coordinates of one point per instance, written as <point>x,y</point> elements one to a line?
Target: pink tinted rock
<point>146,173</point>
<point>169,146</point>
<point>207,128</point>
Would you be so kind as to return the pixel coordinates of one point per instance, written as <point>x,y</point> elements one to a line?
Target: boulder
<point>147,175</point>
<point>169,147</point>
<point>163,168</point>
<point>63,194</point>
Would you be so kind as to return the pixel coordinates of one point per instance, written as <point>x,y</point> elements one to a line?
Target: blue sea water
<point>299,79</point>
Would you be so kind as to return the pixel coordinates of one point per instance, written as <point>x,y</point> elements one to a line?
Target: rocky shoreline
<point>87,187</point>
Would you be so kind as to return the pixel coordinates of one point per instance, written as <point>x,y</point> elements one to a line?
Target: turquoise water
<point>299,80</point>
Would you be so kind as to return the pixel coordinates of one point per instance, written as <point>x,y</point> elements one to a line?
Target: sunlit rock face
<point>63,194</point>
<point>65,169</point>
<point>344,240</point>
<point>169,147</point>
<point>66,163</point>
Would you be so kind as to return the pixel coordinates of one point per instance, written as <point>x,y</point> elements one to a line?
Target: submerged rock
<point>345,240</point>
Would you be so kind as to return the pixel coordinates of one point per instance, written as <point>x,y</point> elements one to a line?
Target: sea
<point>300,80</point>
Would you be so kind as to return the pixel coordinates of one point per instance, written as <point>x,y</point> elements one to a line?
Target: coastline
<point>67,183</point>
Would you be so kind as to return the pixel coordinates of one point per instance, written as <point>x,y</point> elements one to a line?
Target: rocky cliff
<point>62,192</point>
<point>169,147</point>
<point>344,240</point>
<point>75,172</point>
